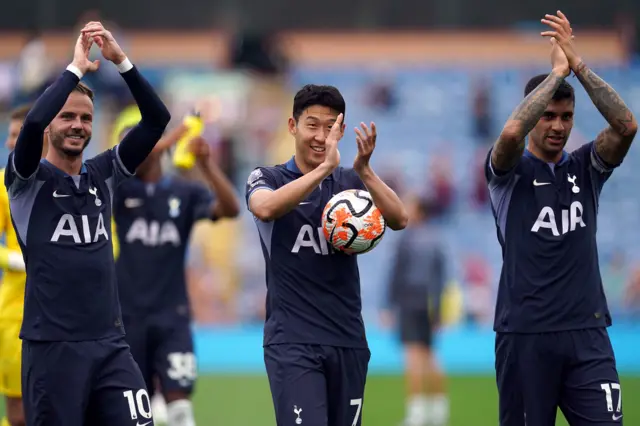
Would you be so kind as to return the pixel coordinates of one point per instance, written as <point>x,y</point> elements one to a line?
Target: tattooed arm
<point>509,147</point>
<point>612,144</point>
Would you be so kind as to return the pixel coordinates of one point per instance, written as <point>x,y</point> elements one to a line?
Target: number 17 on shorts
<point>613,398</point>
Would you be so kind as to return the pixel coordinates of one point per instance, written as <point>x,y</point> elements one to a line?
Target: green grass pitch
<point>245,400</point>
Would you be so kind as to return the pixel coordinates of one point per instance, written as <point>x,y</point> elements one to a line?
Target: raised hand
<point>366,141</point>
<point>110,49</point>
<point>562,32</point>
<point>332,155</point>
<point>81,55</point>
<point>559,61</point>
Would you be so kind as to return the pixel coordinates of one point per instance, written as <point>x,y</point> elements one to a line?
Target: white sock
<point>180,413</point>
<point>417,410</point>
<point>159,408</point>
<point>438,406</point>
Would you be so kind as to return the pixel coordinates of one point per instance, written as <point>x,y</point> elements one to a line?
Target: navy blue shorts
<point>314,385</point>
<point>83,383</point>
<point>572,370</point>
<point>163,347</point>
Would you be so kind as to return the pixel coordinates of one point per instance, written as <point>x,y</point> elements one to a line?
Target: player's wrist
<point>560,72</point>
<point>76,69</point>
<point>577,65</point>
<point>123,64</point>
<point>325,169</point>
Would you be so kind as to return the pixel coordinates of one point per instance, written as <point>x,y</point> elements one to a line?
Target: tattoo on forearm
<point>533,106</point>
<point>526,115</point>
<point>606,100</point>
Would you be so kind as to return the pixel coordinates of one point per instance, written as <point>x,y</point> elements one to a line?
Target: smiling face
<point>310,132</point>
<point>70,131</point>
<point>550,135</point>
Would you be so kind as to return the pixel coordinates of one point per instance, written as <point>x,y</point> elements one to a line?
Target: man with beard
<point>552,345</point>
<point>76,366</point>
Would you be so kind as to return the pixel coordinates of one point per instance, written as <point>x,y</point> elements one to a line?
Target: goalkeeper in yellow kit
<point>11,295</point>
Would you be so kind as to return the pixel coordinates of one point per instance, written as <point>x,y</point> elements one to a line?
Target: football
<point>352,223</point>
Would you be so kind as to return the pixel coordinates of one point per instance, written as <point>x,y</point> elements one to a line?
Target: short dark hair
<point>20,112</point>
<point>84,89</point>
<point>564,91</point>
<point>313,94</point>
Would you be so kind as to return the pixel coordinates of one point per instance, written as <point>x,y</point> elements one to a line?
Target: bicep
<point>495,176</point>
<point>259,180</point>
<point>506,152</point>
<point>612,147</point>
<point>600,168</point>
<point>257,197</point>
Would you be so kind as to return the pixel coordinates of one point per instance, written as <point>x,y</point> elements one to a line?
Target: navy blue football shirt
<point>63,227</point>
<point>154,223</point>
<point>313,292</point>
<point>546,217</point>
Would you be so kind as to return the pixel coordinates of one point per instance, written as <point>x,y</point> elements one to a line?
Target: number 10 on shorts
<point>607,388</point>
<point>140,404</point>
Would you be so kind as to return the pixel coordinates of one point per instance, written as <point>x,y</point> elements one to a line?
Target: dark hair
<point>564,91</point>
<point>20,112</point>
<point>312,94</point>
<point>84,89</point>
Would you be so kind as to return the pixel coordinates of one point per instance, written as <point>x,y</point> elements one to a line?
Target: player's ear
<point>293,126</point>
<point>344,127</point>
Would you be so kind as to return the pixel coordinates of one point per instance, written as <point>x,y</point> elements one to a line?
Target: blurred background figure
<point>418,278</point>
<point>437,98</point>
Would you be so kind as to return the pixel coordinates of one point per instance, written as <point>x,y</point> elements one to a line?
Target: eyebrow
<point>313,117</point>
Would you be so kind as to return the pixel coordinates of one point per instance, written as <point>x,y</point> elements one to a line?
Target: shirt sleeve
<point>497,178</point>
<point>203,200</point>
<point>599,169</point>
<point>15,183</point>
<point>260,178</point>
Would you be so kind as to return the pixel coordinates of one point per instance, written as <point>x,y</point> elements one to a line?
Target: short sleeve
<point>13,182</point>
<point>599,169</point>
<point>260,178</point>
<point>497,178</point>
<point>202,199</point>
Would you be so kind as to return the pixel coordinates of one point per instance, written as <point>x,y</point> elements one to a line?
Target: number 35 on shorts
<point>182,367</point>
<point>610,391</point>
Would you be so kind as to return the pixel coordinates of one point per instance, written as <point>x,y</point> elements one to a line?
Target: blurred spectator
<point>482,116</point>
<point>441,189</point>
<point>478,290</point>
<point>415,294</point>
<point>480,190</point>
<point>381,96</point>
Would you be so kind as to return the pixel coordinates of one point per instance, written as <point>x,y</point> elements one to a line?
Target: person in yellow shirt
<point>11,295</point>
